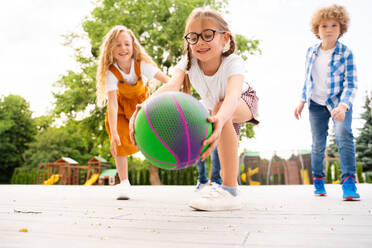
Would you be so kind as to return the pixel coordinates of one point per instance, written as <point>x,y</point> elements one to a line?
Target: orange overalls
<point>128,97</point>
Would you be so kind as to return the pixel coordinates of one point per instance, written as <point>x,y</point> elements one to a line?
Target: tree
<point>364,140</point>
<point>54,143</point>
<point>17,130</point>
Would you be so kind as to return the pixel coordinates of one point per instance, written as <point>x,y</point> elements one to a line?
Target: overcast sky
<point>32,57</point>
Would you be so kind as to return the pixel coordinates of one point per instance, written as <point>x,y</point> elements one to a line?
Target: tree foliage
<point>17,130</point>
<point>54,143</point>
<point>364,140</point>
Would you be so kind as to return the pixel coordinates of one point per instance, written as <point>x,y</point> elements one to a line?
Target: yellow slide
<point>250,173</point>
<point>92,180</point>
<point>52,180</point>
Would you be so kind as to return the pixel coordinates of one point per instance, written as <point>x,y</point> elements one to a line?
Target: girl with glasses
<point>218,76</point>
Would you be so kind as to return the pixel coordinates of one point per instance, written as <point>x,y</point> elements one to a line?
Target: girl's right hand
<point>298,110</point>
<point>214,137</point>
<point>131,123</point>
<point>115,140</point>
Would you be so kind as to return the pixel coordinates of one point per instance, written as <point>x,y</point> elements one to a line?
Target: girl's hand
<point>131,123</point>
<point>115,140</point>
<point>215,136</point>
<point>338,114</point>
<point>298,110</point>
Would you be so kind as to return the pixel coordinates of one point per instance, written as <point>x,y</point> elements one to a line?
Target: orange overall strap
<point>137,69</point>
<point>117,73</point>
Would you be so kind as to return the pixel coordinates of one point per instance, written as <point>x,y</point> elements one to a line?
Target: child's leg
<point>202,174</point>
<point>319,118</point>
<point>346,148</point>
<point>228,144</point>
<point>122,167</point>
<point>124,186</point>
<point>216,167</point>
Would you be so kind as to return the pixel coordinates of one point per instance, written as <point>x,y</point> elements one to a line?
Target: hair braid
<point>232,47</point>
<point>186,81</point>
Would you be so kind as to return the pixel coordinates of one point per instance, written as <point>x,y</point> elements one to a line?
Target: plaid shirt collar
<point>338,48</point>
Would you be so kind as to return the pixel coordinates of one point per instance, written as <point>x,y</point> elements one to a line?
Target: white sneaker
<point>217,200</point>
<point>200,186</point>
<point>123,190</point>
<point>215,186</point>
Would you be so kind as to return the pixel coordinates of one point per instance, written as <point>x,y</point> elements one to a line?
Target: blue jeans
<point>319,118</point>
<point>202,172</point>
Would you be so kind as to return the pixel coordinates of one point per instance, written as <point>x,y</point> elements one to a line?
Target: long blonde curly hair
<point>106,59</point>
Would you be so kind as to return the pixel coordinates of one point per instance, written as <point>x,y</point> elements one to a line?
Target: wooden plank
<point>158,216</point>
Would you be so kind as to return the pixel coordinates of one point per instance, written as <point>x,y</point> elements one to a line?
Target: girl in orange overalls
<point>122,71</point>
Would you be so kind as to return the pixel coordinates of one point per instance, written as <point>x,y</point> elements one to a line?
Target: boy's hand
<point>299,109</point>
<point>131,123</point>
<point>338,113</point>
<point>115,140</point>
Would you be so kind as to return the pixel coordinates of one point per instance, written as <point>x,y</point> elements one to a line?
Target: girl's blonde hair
<point>334,11</point>
<point>106,59</point>
<point>201,13</point>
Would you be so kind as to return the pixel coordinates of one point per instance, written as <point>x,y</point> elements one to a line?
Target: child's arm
<point>162,77</point>
<point>112,109</point>
<point>349,91</point>
<point>300,106</point>
<point>225,113</point>
<point>174,84</point>
<point>299,109</point>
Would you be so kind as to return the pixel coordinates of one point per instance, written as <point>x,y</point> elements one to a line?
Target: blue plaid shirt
<point>341,80</point>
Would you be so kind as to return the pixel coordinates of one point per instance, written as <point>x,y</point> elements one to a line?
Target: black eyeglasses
<point>207,35</point>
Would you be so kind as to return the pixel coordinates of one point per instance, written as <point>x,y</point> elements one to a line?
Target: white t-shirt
<point>320,75</point>
<point>212,89</point>
<point>148,72</point>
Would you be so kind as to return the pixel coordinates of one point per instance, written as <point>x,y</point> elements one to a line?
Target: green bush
<point>360,172</point>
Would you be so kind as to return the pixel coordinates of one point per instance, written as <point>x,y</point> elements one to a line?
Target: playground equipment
<point>109,177</point>
<point>257,171</point>
<point>69,172</point>
<point>92,180</point>
<point>52,180</point>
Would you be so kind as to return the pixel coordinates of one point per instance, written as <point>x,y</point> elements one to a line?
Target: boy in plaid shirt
<point>329,89</point>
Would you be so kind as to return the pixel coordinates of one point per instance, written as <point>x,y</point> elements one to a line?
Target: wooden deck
<point>158,216</point>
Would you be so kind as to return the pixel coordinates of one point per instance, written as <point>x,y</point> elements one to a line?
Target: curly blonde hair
<point>204,14</point>
<point>106,59</point>
<point>334,11</point>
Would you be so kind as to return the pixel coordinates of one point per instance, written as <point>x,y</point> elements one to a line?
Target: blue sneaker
<point>349,189</point>
<point>319,187</point>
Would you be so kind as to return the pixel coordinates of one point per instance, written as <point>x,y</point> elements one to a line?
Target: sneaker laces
<point>215,193</point>
<point>349,184</point>
<point>318,182</point>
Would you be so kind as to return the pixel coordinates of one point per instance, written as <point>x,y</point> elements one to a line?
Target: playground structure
<point>295,170</point>
<point>66,171</point>
<point>257,171</point>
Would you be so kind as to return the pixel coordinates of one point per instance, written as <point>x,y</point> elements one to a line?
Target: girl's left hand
<point>131,124</point>
<point>215,136</point>
<point>338,114</point>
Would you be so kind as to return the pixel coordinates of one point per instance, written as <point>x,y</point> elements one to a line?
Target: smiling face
<point>329,30</point>
<point>123,48</point>
<point>208,51</point>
